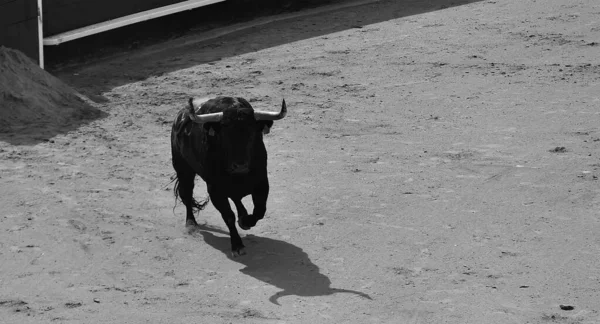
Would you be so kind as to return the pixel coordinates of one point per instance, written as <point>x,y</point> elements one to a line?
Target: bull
<point>221,140</point>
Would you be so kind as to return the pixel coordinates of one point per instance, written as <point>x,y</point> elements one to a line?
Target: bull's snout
<point>239,168</point>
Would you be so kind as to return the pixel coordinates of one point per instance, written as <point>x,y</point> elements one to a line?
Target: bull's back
<point>187,143</point>
<point>219,104</point>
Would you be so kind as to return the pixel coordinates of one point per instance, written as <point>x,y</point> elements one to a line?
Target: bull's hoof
<point>238,252</point>
<point>247,222</point>
<point>242,226</point>
<point>191,223</point>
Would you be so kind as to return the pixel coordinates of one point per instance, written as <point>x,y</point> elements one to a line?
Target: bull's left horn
<point>207,118</point>
<point>269,115</point>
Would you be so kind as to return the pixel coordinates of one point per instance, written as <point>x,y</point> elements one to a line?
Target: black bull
<point>223,144</point>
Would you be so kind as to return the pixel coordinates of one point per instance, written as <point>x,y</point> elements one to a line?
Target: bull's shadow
<point>275,262</point>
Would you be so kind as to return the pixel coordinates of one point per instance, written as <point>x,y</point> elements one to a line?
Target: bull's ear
<point>265,126</point>
<point>266,130</point>
<point>212,128</point>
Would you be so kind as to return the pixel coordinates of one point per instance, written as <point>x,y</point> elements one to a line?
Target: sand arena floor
<point>439,164</point>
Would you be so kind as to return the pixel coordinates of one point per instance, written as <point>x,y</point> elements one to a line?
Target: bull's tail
<point>180,191</point>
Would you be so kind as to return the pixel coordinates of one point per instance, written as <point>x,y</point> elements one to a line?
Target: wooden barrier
<point>22,22</point>
<point>125,20</point>
<point>19,27</point>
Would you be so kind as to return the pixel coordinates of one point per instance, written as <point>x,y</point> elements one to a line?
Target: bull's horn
<point>270,115</point>
<point>195,103</point>
<point>207,118</point>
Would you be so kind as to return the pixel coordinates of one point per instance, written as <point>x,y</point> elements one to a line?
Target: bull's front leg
<point>221,203</point>
<point>259,199</point>
<point>242,213</point>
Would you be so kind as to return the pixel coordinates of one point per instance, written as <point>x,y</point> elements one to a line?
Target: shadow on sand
<point>275,262</point>
<point>35,133</point>
<point>206,40</point>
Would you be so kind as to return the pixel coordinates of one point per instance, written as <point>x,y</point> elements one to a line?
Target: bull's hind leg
<point>187,196</point>
<point>221,203</point>
<point>184,188</point>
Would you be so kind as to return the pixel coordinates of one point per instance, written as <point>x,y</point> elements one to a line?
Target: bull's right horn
<point>196,103</point>
<point>269,115</point>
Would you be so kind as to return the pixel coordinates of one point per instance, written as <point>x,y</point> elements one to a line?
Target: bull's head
<point>237,129</point>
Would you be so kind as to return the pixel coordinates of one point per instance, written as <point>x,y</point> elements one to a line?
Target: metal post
<point>40,33</point>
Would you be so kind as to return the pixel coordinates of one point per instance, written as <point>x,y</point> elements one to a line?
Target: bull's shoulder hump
<point>244,103</point>
<point>198,102</point>
<point>217,104</point>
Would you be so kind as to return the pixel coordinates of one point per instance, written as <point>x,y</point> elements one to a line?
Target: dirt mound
<point>30,95</point>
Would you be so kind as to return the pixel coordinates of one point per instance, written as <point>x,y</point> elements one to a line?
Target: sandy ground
<point>439,164</point>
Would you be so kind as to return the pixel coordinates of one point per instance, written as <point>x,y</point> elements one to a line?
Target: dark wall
<point>19,26</point>
<point>64,15</point>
